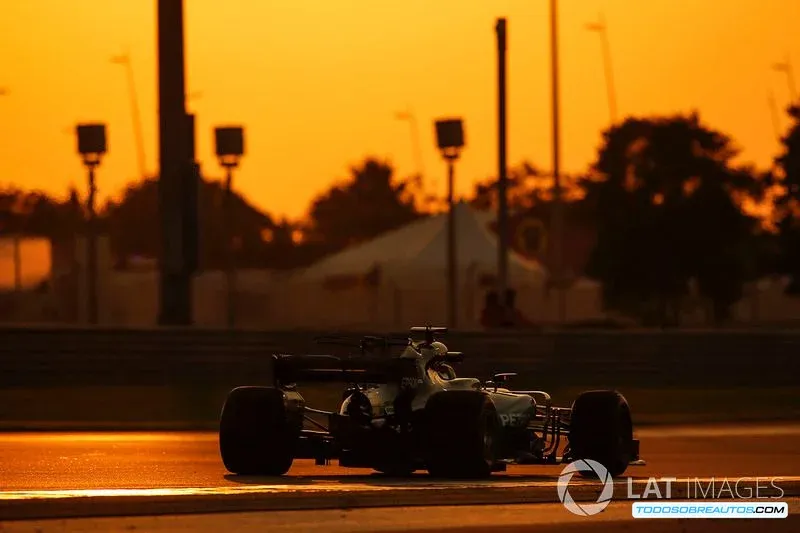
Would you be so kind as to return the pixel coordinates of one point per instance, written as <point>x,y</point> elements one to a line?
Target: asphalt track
<point>538,518</point>
<point>59,475</point>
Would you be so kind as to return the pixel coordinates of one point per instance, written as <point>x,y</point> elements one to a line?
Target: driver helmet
<point>444,371</point>
<point>439,347</point>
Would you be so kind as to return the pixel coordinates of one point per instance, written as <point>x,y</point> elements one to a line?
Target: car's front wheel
<point>461,427</point>
<point>601,429</point>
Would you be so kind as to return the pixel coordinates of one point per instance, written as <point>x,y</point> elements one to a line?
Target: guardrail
<point>70,356</point>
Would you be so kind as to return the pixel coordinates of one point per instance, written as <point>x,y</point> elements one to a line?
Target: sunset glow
<point>318,83</point>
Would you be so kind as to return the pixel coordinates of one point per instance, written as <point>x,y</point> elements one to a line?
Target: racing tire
<point>601,429</point>
<point>462,428</point>
<point>256,436</point>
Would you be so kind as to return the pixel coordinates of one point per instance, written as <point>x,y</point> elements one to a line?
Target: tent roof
<point>421,245</point>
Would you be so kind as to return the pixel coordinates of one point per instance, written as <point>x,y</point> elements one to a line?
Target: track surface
<point>73,475</point>
<point>539,518</point>
<point>70,461</point>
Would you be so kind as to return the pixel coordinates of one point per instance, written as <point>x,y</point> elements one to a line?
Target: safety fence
<point>75,357</point>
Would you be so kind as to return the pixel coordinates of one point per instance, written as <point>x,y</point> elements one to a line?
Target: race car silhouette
<point>411,412</point>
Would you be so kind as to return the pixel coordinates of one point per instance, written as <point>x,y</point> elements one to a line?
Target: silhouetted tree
<point>788,204</point>
<point>133,222</point>
<point>368,204</point>
<point>73,211</point>
<point>34,214</point>
<point>9,223</point>
<point>528,186</point>
<point>666,200</point>
<point>134,226</point>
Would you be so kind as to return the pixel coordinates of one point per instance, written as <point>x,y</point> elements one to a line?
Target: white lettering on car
<point>410,383</point>
<point>512,419</point>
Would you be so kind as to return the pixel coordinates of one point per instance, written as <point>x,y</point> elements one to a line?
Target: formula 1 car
<point>411,412</point>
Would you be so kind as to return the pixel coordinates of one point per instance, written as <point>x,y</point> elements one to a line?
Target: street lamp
<point>415,144</point>
<point>229,144</point>
<point>450,140</point>
<point>125,60</point>
<point>602,30</point>
<point>773,108</point>
<point>786,68</point>
<point>91,147</point>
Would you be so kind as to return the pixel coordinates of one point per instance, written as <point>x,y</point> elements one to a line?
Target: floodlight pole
<point>450,140</point>
<point>91,147</point>
<point>773,108</point>
<point>229,147</point>
<point>786,67</point>
<point>230,249</point>
<point>125,60</point>
<point>91,246</point>
<point>415,144</point>
<point>502,172</point>
<point>452,271</point>
<point>557,222</point>
<point>602,30</point>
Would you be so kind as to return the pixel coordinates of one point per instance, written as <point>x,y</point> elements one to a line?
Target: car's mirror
<point>454,357</point>
<point>503,377</point>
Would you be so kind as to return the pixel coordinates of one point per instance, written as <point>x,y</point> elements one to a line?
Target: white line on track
<point>649,432</point>
<point>320,488</point>
<point>766,430</point>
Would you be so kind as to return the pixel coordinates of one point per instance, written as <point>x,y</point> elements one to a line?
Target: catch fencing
<point>75,357</point>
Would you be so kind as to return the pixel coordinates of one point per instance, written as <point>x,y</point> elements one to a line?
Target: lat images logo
<point>585,508</point>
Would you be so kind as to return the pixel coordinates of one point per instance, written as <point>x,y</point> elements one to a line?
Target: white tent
<point>416,254</point>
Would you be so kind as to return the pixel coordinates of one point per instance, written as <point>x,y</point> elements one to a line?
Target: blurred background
<point>213,182</point>
<point>678,163</point>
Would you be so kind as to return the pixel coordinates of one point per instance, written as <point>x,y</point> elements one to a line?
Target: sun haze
<point>318,83</point>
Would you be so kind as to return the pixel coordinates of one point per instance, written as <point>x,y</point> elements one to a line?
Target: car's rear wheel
<point>601,429</point>
<point>461,431</point>
<point>256,436</point>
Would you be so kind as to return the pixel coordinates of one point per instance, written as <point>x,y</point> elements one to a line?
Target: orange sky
<point>317,82</point>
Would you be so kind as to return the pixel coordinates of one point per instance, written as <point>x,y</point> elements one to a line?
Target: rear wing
<point>332,369</point>
<point>366,344</point>
<point>429,331</point>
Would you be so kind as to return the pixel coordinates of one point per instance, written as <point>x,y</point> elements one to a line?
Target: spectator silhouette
<point>490,315</point>
<point>495,316</point>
